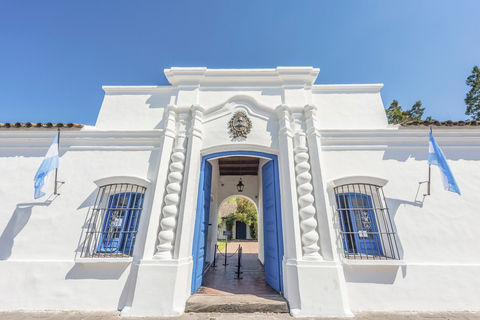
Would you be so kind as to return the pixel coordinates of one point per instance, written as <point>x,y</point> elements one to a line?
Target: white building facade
<point>344,225</point>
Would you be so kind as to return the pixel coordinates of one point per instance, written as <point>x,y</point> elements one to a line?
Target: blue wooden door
<point>136,204</point>
<point>240,230</point>
<point>272,231</point>
<point>114,223</point>
<point>359,224</point>
<point>201,225</point>
<point>364,224</point>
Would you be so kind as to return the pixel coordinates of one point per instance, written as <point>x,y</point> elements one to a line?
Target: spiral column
<point>308,223</point>
<point>172,201</point>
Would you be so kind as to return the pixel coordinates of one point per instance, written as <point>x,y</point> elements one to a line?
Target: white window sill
<point>372,262</point>
<point>104,260</point>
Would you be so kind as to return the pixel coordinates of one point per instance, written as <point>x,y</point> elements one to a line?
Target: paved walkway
<point>222,280</point>
<point>79,315</point>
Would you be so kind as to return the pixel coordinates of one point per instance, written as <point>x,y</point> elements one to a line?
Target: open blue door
<point>201,225</point>
<point>272,229</point>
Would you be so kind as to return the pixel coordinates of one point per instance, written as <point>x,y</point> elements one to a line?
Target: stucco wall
<point>41,239</point>
<point>435,233</point>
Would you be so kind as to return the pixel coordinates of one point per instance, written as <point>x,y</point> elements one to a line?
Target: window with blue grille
<point>365,226</point>
<point>113,222</point>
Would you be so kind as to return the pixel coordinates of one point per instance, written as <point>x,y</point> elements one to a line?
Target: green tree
<point>395,113</point>
<point>247,214</point>
<point>232,200</point>
<point>472,100</point>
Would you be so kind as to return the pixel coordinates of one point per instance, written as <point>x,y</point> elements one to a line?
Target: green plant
<point>229,221</point>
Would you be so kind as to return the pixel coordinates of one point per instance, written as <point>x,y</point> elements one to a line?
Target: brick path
<point>221,280</point>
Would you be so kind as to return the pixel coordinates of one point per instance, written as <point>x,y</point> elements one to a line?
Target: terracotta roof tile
<point>40,125</point>
<point>227,209</point>
<point>448,123</point>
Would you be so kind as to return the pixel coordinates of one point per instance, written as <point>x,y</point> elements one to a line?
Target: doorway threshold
<point>236,303</point>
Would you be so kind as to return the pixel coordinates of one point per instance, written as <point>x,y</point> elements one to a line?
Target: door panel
<point>364,224</point>
<point>240,230</point>
<point>114,223</point>
<point>201,225</point>
<point>271,233</point>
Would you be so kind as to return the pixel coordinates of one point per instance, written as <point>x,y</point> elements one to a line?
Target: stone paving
<point>82,315</point>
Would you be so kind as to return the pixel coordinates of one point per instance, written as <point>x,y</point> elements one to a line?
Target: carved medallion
<point>240,125</point>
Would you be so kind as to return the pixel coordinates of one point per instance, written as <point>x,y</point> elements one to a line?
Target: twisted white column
<point>172,201</point>
<point>308,223</point>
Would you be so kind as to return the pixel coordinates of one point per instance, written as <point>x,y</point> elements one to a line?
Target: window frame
<point>383,242</point>
<point>109,237</point>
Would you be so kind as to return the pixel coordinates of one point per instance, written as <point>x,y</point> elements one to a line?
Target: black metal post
<point>215,257</point>
<point>239,265</point>
<point>226,245</point>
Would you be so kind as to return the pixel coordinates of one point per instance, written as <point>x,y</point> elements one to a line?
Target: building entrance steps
<point>221,292</point>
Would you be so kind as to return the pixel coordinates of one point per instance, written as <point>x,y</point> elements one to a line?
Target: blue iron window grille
<point>113,223</point>
<point>366,228</point>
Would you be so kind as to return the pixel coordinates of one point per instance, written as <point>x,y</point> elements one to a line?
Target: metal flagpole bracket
<point>429,169</point>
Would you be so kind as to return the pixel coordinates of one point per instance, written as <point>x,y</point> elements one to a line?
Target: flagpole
<point>429,171</point>
<point>56,170</point>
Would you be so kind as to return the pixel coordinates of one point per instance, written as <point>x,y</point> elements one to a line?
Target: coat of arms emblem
<point>240,125</point>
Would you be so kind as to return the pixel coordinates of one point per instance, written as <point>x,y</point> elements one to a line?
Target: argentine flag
<point>49,163</point>
<point>436,157</point>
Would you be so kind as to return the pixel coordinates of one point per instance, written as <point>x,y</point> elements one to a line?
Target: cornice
<point>347,88</point>
<point>88,140</point>
<point>136,89</point>
<point>203,77</point>
<point>355,139</point>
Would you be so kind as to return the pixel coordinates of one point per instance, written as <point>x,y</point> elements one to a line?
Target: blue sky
<point>56,55</point>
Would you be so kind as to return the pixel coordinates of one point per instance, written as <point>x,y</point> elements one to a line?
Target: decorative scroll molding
<point>308,223</point>
<point>172,201</point>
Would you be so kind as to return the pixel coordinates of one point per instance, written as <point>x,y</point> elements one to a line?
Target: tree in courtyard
<point>472,100</point>
<point>395,113</point>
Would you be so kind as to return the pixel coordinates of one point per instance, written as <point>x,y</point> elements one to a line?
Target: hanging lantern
<point>240,186</point>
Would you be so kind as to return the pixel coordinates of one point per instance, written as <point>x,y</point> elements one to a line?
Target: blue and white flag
<point>436,157</point>
<point>50,162</point>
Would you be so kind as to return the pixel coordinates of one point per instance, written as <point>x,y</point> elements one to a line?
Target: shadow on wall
<point>367,274</point>
<point>159,101</point>
<point>99,271</point>
<point>17,222</point>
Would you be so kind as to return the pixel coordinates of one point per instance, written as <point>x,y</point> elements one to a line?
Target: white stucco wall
<point>435,234</point>
<point>41,238</point>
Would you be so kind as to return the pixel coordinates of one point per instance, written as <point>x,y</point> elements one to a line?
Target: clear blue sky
<point>56,55</point>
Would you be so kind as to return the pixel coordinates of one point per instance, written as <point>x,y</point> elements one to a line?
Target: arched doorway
<point>271,214</point>
<point>239,216</point>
